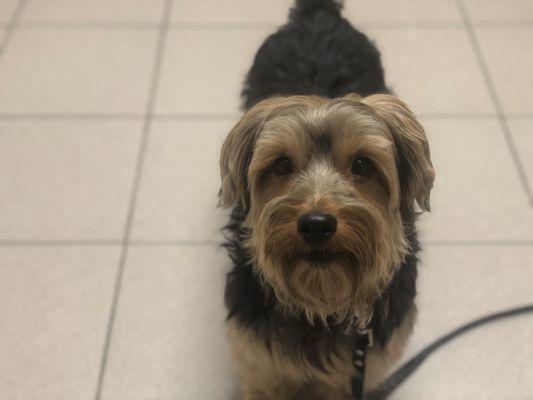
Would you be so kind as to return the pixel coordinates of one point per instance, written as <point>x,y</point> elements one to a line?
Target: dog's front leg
<point>262,374</point>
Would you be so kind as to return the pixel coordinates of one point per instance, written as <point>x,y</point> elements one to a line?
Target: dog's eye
<point>282,166</point>
<point>362,166</point>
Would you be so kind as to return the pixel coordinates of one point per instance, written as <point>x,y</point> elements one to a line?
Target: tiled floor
<point>112,113</point>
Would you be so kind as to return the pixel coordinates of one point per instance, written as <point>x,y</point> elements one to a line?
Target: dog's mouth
<point>321,259</point>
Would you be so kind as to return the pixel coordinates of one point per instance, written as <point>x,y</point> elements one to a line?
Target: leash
<point>364,341</point>
<point>383,391</point>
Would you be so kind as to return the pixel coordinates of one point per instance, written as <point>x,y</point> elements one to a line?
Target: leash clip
<point>369,335</point>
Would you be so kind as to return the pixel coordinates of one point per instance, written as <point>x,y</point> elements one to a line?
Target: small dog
<point>325,173</point>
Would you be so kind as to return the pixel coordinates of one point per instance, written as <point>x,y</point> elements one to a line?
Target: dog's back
<point>316,52</point>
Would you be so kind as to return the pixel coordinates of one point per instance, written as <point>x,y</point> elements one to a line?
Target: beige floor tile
<point>509,55</point>
<point>178,194</point>
<point>54,304</point>
<point>231,11</point>
<point>491,364</point>
<point>93,11</point>
<point>457,285</point>
<point>203,71</point>
<point>500,10</point>
<point>477,192</point>
<point>522,133</point>
<point>71,71</point>
<point>169,339</point>
<point>432,78</point>
<point>65,180</point>
<point>401,11</point>
<point>7,8</point>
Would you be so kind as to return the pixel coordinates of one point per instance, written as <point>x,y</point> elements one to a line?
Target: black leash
<point>364,341</point>
<point>384,390</point>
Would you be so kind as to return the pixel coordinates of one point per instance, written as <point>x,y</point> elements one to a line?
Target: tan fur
<point>239,144</point>
<point>322,138</point>
<point>271,375</point>
<point>410,136</point>
<point>381,362</point>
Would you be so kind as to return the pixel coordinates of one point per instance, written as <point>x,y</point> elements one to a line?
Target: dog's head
<point>325,184</point>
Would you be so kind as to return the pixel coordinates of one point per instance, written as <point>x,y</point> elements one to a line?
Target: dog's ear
<point>415,168</point>
<point>237,152</point>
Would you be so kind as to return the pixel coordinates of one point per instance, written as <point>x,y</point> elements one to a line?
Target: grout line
<point>125,25</point>
<point>487,24</point>
<point>235,25</point>
<point>413,25</point>
<point>218,242</point>
<point>88,25</point>
<point>455,116</point>
<point>12,25</point>
<point>519,116</point>
<point>495,99</point>
<point>119,116</point>
<point>225,26</point>
<point>216,116</point>
<point>59,242</point>
<point>70,116</point>
<point>476,243</point>
<point>107,242</point>
<point>229,26</point>
<point>179,242</point>
<point>197,116</point>
<point>154,85</point>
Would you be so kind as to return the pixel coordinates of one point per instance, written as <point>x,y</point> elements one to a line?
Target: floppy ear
<point>237,152</point>
<point>415,168</point>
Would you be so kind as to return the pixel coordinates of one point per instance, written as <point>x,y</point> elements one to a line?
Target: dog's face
<point>325,183</point>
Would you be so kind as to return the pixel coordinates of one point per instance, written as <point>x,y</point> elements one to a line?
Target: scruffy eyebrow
<point>322,143</point>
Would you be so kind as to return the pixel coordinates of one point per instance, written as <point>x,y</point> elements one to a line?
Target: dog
<point>325,174</point>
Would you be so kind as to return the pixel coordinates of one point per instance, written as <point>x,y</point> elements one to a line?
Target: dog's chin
<point>323,259</point>
<point>317,282</point>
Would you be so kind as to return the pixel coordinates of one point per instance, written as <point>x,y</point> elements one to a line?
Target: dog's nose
<point>316,227</point>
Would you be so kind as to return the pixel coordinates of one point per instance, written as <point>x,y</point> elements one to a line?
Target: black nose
<point>316,227</point>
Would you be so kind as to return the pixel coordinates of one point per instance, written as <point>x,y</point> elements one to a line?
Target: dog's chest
<point>303,355</point>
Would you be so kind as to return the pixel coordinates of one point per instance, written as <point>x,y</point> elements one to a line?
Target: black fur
<point>317,52</point>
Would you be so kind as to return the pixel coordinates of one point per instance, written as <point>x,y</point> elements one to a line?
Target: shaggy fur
<point>318,52</point>
<point>291,302</point>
